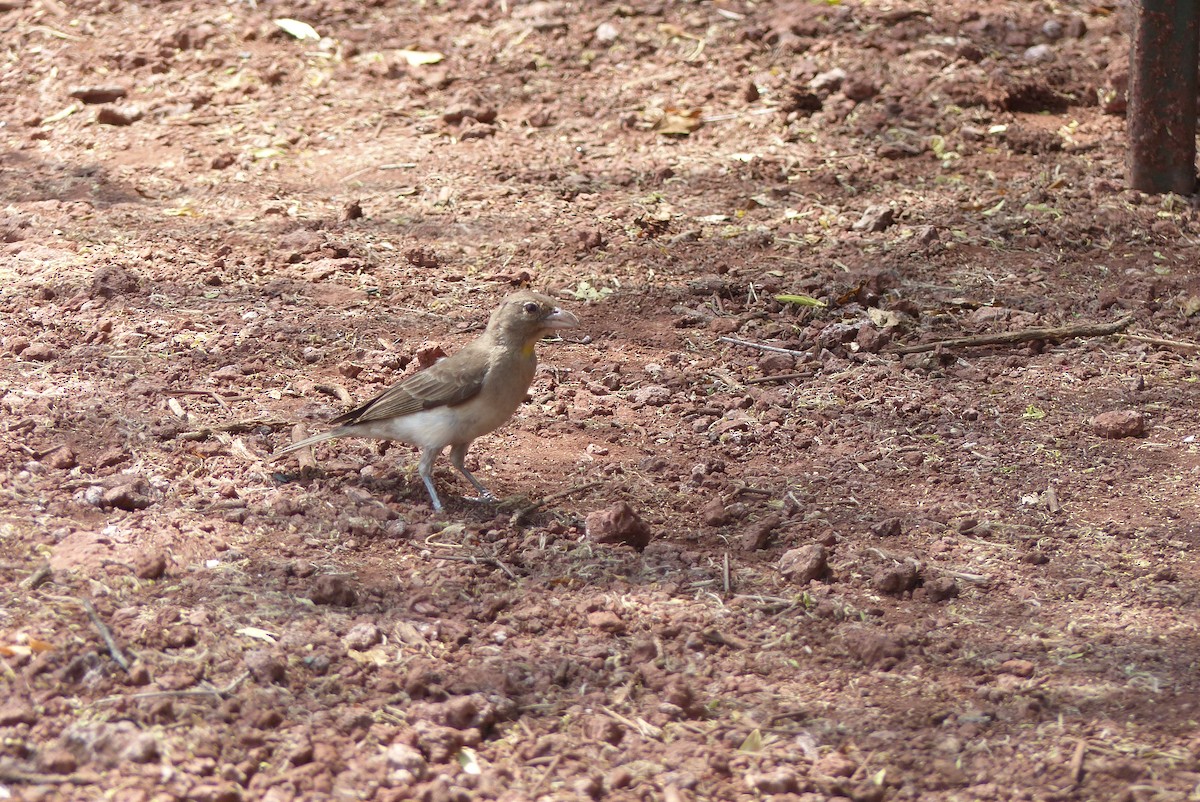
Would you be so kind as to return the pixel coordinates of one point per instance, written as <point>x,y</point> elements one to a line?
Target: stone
<point>803,565</point>
<point>1119,423</point>
<point>618,524</point>
<point>333,590</point>
<point>876,217</point>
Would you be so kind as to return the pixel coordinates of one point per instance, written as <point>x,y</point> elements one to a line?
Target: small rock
<point>714,512</point>
<point>141,748</point>
<point>757,535</point>
<point>150,565</point>
<point>456,113</point>
<point>896,579</point>
<point>39,352</point>
<point>352,211</point>
<point>1119,423</point>
<point>333,590</point>
<point>606,621</point>
<point>888,527</point>
<point>17,711</point>
<point>362,637</point>
<point>835,764</point>
<point>828,81</point>
<point>873,648</point>
<point>1052,29</point>
<point>265,666</point>
<point>98,94</point>
<point>1039,53</point>
<point>1018,668</point>
<point>805,564</point>
<point>62,458</point>
<point>652,395</point>
<point>119,115</point>
<point>618,524</point>
<point>128,497</point>
<point>779,781</point>
<point>939,589</point>
<point>607,33</point>
<point>405,764</point>
<point>58,761</point>
<point>877,217</point>
<point>859,89</point>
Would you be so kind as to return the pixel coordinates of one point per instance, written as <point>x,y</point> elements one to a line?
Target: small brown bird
<point>461,397</point>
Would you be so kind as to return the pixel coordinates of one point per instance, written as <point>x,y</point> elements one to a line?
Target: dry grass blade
<point>1022,336</point>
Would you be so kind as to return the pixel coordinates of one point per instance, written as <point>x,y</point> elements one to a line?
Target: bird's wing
<point>446,383</point>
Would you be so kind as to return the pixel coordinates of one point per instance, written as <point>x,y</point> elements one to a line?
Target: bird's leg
<point>458,454</point>
<point>425,468</point>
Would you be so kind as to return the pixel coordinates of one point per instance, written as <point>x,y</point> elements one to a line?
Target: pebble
<point>606,621</point>
<point>714,512</point>
<point>265,666</point>
<point>618,524</point>
<point>779,781</point>
<point>405,764</point>
<point>333,590</point>
<point>757,535</point>
<point>607,33</point>
<point>39,352</point>
<point>362,637</point>
<point>126,497</point>
<point>1039,53</point>
<point>804,564</point>
<point>98,94</point>
<point>896,579</point>
<point>17,711</point>
<point>876,217</point>
<point>1119,423</point>
<point>119,115</point>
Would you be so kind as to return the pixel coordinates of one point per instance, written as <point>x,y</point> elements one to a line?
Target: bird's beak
<point>560,319</point>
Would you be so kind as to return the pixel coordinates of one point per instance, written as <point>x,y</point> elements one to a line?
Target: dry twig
<point>1022,336</point>
<point>760,347</point>
<point>478,560</point>
<point>38,578</point>
<point>778,377</point>
<point>520,514</point>
<point>1178,344</point>
<point>208,693</point>
<point>101,627</point>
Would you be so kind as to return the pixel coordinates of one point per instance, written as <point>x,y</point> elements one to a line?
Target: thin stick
<point>545,775</point>
<point>105,634</point>
<point>520,514</point>
<point>725,574</point>
<point>778,377</point>
<point>39,778</point>
<point>208,693</point>
<point>761,347</point>
<point>38,578</point>
<point>1183,346</point>
<point>477,560</point>
<point>1022,336</point>
<point>1076,769</point>
<point>236,427</point>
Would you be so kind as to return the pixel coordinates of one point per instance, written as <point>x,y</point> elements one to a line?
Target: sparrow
<point>460,397</point>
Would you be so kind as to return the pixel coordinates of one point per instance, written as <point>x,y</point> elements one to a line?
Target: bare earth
<point>872,575</point>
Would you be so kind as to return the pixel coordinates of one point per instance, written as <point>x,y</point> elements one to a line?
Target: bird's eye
<point>532,309</point>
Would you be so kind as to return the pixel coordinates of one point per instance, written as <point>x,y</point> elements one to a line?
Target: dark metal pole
<point>1162,96</point>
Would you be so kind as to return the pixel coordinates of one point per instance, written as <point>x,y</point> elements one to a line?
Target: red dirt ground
<point>873,575</point>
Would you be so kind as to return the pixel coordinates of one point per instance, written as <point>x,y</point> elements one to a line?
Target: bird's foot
<point>483,498</point>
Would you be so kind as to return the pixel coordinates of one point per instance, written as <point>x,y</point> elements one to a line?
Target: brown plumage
<point>461,397</point>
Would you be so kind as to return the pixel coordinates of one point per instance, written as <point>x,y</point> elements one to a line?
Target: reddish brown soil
<point>265,228</point>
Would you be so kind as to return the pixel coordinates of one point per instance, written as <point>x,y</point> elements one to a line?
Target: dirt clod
<point>1119,423</point>
<point>618,524</point>
<point>896,579</point>
<point>333,590</point>
<point>805,564</point>
<point>758,534</point>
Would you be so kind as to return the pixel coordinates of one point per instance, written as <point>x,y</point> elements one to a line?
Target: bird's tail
<point>308,441</point>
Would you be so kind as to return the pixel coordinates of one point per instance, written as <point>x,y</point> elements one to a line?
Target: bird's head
<point>525,316</point>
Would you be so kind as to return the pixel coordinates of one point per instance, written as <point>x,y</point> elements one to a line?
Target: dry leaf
<point>418,58</point>
<point>255,632</point>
